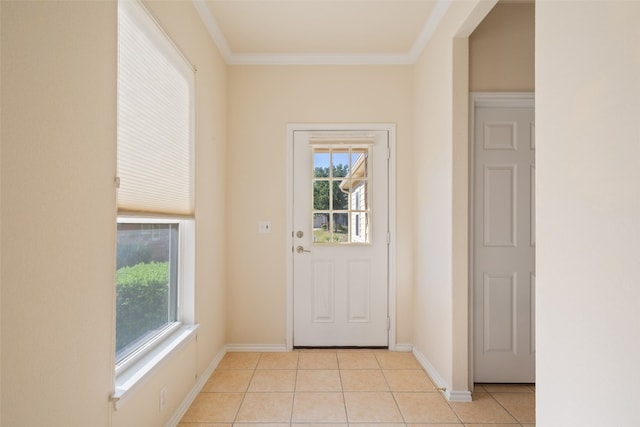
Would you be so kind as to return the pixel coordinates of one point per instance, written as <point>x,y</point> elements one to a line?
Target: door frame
<point>391,200</point>
<point>483,99</point>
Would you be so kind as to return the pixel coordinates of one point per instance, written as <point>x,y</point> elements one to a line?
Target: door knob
<point>300,250</point>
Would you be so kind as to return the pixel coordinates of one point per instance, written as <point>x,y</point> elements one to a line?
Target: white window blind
<point>155,118</point>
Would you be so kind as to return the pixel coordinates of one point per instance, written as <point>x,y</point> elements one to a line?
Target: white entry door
<point>340,238</point>
<point>504,243</point>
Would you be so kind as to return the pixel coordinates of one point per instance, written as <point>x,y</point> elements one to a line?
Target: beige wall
<point>263,100</point>
<point>58,210</point>
<point>0,223</point>
<point>588,211</point>
<point>58,215</point>
<point>440,250</point>
<point>501,50</point>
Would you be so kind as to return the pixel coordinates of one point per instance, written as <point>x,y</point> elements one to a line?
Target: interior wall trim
<point>402,347</point>
<point>439,381</point>
<point>191,396</point>
<point>259,348</point>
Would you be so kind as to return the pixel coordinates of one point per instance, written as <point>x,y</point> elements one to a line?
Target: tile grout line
<point>344,398</point>
<point>295,390</point>
<point>441,393</point>
<point>246,390</point>
<point>393,394</point>
<point>505,408</point>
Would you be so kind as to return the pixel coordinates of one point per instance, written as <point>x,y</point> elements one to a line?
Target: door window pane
<point>321,195</point>
<point>359,159</point>
<point>340,162</point>
<point>359,227</point>
<point>341,206</point>
<point>321,161</point>
<point>340,195</point>
<point>340,227</point>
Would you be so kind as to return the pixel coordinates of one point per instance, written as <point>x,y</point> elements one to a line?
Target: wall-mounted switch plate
<point>264,227</point>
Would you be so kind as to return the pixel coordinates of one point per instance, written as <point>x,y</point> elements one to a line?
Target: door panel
<point>340,250</point>
<point>504,244</point>
<point>499,205</point>
<point>323,301</point>
<point>358,293</point>
<point>499,306</point>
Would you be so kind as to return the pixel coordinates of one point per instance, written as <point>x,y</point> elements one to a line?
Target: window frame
<point>184,313</point>
<point>140,363</point>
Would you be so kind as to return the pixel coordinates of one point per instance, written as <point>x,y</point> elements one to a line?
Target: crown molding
<point>319,59</point>
<point>213,28</point>
<point>231,58</point>
<point>430,26</point>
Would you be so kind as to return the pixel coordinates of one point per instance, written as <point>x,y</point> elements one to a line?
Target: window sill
<point>137,373</point>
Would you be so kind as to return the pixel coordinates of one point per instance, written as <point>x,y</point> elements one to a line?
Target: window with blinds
<point>155,118</point>
<point>156,186</point>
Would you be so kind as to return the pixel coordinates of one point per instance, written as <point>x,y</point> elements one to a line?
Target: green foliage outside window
<point>142,301</point>
<point>328,196</point>
<point>321,189</point>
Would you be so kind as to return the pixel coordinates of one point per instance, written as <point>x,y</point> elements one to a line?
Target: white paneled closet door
<point>504,244</point>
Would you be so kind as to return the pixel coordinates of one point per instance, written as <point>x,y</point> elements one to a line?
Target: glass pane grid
<point>340,208</point>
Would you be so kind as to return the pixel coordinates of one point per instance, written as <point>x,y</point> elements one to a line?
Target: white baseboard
<point>256,347</point>
<point>428,367</point>
<point>458,395</point>
<point>202,379</point>
<point>401,347</point>
<point>450,395</point>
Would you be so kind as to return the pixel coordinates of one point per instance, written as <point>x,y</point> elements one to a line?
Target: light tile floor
<point>345,388</point>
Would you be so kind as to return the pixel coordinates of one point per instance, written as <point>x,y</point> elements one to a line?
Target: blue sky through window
<point>322,159</point>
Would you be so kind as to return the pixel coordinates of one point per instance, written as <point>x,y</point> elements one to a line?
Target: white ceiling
<point>321,31</point>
